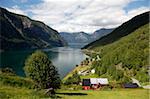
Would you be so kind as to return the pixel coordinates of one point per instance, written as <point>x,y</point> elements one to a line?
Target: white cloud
<point>81,15</point>
<point>17,10</point>
<point>135,12</point>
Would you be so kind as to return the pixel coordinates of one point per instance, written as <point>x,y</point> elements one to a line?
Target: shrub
<point>41,70</point>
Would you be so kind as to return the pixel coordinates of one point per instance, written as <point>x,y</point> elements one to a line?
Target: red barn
<point>86,84</point>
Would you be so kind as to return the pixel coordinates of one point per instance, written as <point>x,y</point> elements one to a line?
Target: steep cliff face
<point>21,32</point>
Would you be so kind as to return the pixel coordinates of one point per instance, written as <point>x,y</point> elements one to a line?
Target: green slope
<point>125,55</point>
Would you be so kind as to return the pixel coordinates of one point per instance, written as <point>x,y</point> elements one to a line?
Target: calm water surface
<point>64,58</point>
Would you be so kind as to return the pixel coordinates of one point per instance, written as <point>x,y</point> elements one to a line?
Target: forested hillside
<point>127,57</point>
<point>124,52</point>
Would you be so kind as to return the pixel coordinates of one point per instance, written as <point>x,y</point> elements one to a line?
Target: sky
<point>78,15</point>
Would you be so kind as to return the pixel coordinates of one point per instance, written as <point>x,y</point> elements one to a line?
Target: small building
<point>102,81</point>
<point>93,71</point>
<point>86,84</point>
<point>94,83</point>
<point>130,85</point>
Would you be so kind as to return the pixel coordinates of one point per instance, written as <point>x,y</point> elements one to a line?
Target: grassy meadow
<point>113,94</point>
<point>9,92</point>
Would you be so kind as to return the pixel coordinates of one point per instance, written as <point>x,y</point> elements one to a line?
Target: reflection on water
<point>64,58</point>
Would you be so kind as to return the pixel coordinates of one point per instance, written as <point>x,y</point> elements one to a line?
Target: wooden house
<point>130,85</point>
<point>86,84</point>
<point>94,83</point>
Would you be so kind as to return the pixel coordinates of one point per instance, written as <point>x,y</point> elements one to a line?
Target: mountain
<point>123,30</point>
<point>101,32</point>
<point>21,32</point>
<point>76,37</point>
<point>124,52</point>
<point>83,38</point>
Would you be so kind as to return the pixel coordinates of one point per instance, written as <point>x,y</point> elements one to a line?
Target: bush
<point>16,81</point>
<point>41,70</point>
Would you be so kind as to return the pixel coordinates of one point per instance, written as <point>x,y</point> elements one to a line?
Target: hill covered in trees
<point>21,32</point>
<point>124,52</point>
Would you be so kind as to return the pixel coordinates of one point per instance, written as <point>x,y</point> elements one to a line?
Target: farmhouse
<point>94,83</point>
<point>130,85</point>
<point>86,84</point>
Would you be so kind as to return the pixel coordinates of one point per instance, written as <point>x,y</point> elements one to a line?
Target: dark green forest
<point>124,52</point>
<point>125,58</point>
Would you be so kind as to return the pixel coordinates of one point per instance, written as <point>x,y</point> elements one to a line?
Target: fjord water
<point>64,58</point>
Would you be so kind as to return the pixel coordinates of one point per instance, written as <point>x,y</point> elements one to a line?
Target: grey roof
<point>93,80</point>
<point>103,81</point>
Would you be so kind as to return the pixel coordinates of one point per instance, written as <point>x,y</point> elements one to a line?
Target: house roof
<point>130,85</point>
<point>93,80</point>
<point>103,81</point>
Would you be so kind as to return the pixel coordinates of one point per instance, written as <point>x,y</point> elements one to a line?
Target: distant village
<point>99,83</point>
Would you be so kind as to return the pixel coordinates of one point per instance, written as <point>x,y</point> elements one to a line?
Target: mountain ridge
<point>21,32</point>
<point>123,30</point>
<point>84,38</point>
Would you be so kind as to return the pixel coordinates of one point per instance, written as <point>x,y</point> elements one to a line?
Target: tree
<point>41,70</point>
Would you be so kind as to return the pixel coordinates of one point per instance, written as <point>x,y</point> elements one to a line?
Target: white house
<point>101,81</point>
<point>93,80</point>
<point>93,71</point>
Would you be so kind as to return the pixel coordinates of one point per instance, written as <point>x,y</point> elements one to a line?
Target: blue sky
<point>78,15</point>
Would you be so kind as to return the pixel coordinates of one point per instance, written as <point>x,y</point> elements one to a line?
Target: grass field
<point>8,92</point>
<point>15,87</point>
<point>114,94</point>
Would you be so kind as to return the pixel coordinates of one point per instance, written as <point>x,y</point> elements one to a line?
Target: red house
<point>94,83</point>
<point>86,84</point>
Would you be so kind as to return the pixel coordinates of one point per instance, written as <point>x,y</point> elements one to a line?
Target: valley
<point>37,61</point>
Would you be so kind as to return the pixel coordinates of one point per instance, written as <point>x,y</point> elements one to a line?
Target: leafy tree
<point>41,70</point>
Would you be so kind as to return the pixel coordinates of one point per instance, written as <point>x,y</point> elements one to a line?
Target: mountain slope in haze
<point>101,32</point>
<point>83,38</point>
<point>123,30</point>
<point>127,54</point>
<point>20,32</point>
<point>76,37</point>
